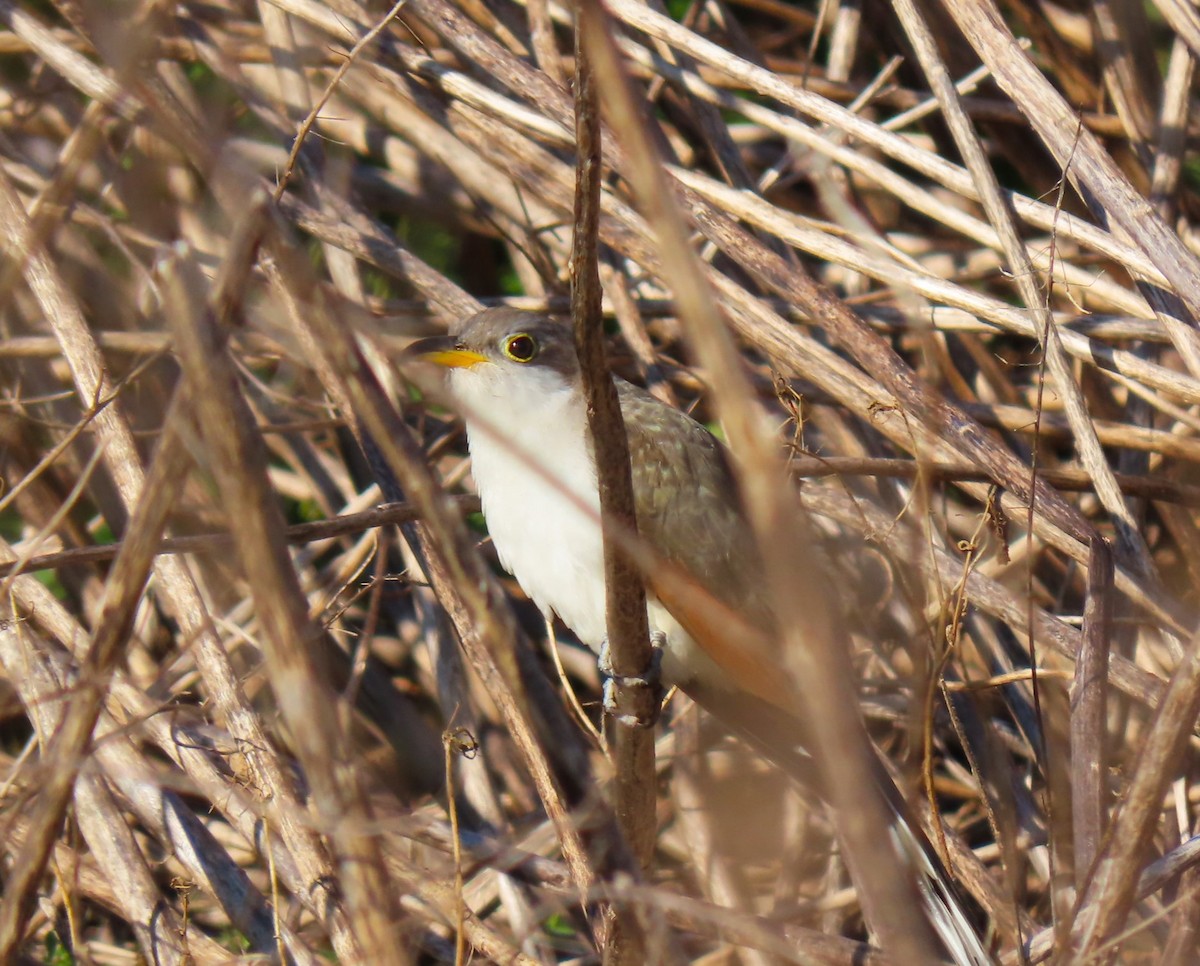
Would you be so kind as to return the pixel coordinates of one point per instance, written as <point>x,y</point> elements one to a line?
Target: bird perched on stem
<point>515,377</point>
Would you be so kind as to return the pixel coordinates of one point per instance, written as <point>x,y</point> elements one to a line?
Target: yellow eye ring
<point>521,347</point>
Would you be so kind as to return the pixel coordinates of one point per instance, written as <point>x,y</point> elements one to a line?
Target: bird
<point>514,377</point>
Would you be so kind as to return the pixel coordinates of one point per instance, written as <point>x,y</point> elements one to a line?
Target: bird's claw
<point>650,681</point>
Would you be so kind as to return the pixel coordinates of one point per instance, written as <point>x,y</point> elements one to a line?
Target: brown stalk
<point>1172,122</point>
<point>66,742</point>
<point>984,592</point>
<point>929,163</point>
<point>177,585</point>
<point>1001,216</point>
<point>1097,178</point>
<point>179,589</point>
<point>1003,220</point>
<point>239,466</point>
<point>184,744</point>
<point>164,813</point>
<point>1165,490</point>
<point>1184,21</point>
<point>628,631</point>
<point>715,872</point>
<point>1104,905</point>
<point>298,534</point>
<point>464,587</point>
<point>545,46</point>
<point>1089,721</point>
<point>179,742</point>
<point>812,652</point>
<point>1129,71</point>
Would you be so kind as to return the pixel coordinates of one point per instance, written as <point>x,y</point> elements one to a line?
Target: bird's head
<point>504,356</point>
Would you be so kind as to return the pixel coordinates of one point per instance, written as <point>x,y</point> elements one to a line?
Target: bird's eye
<point>521,347</point>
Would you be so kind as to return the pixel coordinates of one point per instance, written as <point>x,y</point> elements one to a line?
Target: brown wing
<point>687,507</point>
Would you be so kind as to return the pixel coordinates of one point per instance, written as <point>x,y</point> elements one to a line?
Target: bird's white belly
<point>552,544</point>
<point>549,540</point>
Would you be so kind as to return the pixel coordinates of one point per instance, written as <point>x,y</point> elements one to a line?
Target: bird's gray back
<point>687,501</point>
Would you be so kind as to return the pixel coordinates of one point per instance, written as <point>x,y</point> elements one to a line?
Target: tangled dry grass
<point>237,721</point>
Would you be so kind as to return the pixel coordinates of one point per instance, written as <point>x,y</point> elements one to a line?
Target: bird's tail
<point>941,899</point>
<point>773,732</point>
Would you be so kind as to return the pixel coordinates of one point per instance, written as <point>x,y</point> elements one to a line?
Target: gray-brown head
<point>510,345</point>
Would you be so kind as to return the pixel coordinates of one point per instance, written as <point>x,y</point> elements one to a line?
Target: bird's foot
<point>633,699</point>
<point>658,641</point>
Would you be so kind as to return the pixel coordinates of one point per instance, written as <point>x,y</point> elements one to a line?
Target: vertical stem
<point>1089,691</point>
<point>628,630</point>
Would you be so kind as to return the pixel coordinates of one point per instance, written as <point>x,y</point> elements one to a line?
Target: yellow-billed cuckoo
<point>515,376</point>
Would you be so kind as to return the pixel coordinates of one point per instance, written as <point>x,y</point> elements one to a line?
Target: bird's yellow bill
<point>443,350</point>
<point>454,358</point>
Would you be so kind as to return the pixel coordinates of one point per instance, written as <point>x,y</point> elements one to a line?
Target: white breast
<point>545,539</point>
<point>550,543</point>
